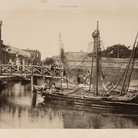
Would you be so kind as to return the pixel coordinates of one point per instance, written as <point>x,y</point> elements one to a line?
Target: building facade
<point>13,55</point>
<point>35,56</point>
<point>1,43</point>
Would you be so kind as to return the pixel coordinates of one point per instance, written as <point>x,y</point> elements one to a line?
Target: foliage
<point>116,51</point>
<point>48,61</point>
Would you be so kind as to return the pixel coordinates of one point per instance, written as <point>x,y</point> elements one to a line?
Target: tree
<point>48,61</point>
<point>116,51</point>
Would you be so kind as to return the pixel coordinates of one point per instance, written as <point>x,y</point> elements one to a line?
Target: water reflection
<point>16,112</point>
<point>95,118</point>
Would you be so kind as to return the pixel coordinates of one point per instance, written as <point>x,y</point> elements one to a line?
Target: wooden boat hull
<point>95,102</point>
<point>43,88</point>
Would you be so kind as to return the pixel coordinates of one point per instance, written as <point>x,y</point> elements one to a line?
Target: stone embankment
<point>112,68</point>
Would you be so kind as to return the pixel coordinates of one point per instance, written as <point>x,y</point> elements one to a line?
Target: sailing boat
<point>97,96</point>
<point>65,83</point>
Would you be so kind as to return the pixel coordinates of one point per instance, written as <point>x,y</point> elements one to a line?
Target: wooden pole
<point>67,82</point>
<point>66,77</point>
<point>91,70</point>
<point>97,60</point>
<point>128,66</point>
<point>131,71</point>
<point>1,70</point>
<point>60,47</point>
<point>97,69</point>
<point>34,99</point>
<point>96,37</point>
<point>42,69</point>
<point>52,73</point>
<point>21,67</point>
<point>11,69</point>
<point>32,80</point>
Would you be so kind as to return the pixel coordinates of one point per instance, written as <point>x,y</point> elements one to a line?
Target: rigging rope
<point>123,84</point>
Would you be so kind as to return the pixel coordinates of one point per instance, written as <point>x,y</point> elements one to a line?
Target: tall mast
<point>97,62</point>
<point>96,37</point>
<point>60,46</point>
<point>91,73</point>
<point>128,66</point>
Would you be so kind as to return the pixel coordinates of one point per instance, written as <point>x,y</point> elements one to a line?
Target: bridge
<point>29,70</point>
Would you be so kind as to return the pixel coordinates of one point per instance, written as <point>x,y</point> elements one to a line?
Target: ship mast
<point>96,37</point>
<point>128,68</point>
<point>60,47</point>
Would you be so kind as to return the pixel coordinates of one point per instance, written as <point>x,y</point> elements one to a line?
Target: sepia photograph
<point>68,64</point>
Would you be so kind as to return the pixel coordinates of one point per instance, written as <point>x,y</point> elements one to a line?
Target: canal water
<point>16,111</point>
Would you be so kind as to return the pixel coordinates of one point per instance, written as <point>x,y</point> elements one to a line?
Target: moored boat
<point>82,98</point>
<point>117,96</point>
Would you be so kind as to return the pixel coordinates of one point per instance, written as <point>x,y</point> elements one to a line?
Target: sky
<point>36,24</point>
